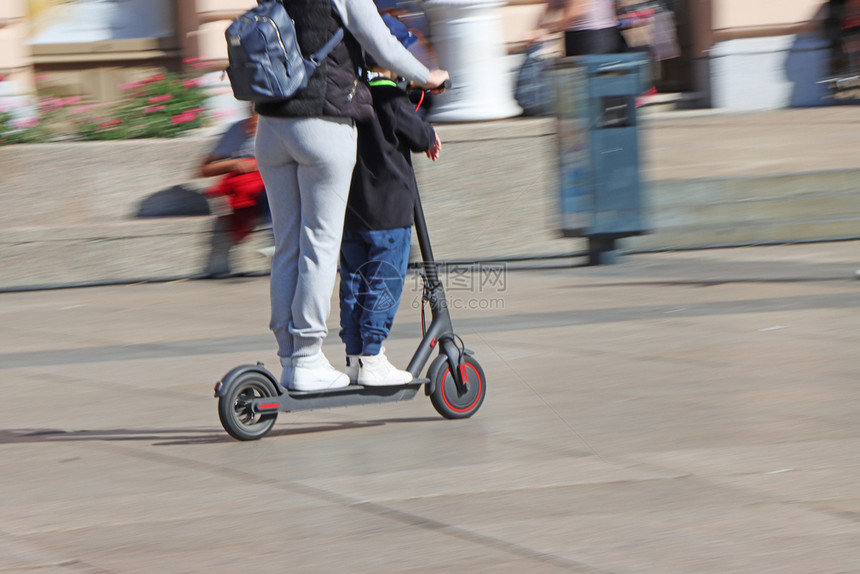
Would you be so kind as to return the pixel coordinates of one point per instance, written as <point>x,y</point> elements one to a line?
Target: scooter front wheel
<point>235,407</point>
<point>446,399</point>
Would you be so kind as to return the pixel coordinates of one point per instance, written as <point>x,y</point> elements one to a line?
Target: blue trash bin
<point>600,179</point>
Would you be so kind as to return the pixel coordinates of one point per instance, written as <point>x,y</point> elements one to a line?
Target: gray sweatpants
<point>306,164</point>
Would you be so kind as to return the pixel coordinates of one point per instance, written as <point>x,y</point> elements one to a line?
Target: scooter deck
<point>290,401</point>
<point>355,389</point>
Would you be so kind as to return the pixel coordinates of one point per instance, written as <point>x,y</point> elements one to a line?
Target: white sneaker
<point>286,374</point>
<point>376,371</point>
<point>352,368</point>
<point>316,374</point>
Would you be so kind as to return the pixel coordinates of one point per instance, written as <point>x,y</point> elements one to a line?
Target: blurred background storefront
<point>734,54</point>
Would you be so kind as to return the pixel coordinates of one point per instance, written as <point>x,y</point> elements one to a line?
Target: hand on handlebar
<point>437,82</point>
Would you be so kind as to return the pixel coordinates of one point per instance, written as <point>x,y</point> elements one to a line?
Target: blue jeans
<point>372,271</point>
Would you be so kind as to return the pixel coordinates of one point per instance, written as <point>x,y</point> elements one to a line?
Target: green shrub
<point>14,131</point>
<point>162,106</point>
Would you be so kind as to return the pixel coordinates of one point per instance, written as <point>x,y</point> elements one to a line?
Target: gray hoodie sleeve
<point>363,21</point>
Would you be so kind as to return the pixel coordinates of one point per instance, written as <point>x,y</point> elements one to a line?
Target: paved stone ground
<point>689,412</point>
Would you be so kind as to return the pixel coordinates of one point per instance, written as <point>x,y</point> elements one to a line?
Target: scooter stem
<point>441,330</point>
<point>429,262</point>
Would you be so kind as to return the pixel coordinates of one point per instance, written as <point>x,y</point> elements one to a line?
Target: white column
<point>467,36</point>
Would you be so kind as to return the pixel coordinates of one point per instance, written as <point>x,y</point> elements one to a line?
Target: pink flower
<point>51,104</point>
<point>184,117</point>
<point>159,99</point>
<point>151,109</point>
<point>190,60</point>
<point>57,103</point>
<point>130,86</point>
<point>152,79</point>
<point>110,123</point>
<point>88,108</point>
<point>192,83</point>
<point>28,123</point>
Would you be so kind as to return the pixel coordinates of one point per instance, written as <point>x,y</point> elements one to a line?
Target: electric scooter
<point>250,397</point>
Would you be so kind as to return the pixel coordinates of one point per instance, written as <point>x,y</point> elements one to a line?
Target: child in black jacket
<point>378,230</point>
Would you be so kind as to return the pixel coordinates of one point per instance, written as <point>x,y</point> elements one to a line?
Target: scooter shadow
<point>175,437</point>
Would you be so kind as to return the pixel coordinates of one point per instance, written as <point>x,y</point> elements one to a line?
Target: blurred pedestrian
<point>410,27</point>
<point>240,182</point>
<point>589,26</point>
<point>306,150</point>
<point>851,34</point>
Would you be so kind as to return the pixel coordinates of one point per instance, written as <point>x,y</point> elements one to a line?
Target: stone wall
<point>68,211</point>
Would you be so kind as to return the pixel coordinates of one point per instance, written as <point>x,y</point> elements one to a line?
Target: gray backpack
<point>266,64</point>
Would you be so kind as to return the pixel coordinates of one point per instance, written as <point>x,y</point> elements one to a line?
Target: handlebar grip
<point>446,84</point>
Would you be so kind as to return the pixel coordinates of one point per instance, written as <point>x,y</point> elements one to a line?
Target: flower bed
<point>161,106</point>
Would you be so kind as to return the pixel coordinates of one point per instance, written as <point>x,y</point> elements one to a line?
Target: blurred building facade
<point>734,53</point>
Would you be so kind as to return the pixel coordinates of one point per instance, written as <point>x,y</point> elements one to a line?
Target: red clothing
<point>242,191</point>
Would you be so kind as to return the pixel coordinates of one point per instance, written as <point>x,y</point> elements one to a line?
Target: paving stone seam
<point>375,508</point>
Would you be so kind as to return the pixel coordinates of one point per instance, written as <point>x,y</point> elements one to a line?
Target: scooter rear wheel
<point>445,398</point>
<point>235,407</point>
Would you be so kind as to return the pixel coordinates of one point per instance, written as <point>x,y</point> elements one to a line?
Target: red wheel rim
<point>477,395</point>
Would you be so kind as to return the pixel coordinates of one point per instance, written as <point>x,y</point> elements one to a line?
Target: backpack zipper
<point>277,31</point>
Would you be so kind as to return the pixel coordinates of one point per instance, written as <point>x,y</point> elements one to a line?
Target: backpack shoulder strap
<point>327,47</point>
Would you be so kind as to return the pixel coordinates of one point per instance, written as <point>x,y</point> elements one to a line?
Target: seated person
<point>232,158</point>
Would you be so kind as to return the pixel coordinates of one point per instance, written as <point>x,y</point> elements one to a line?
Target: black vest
<point>334,89</point>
